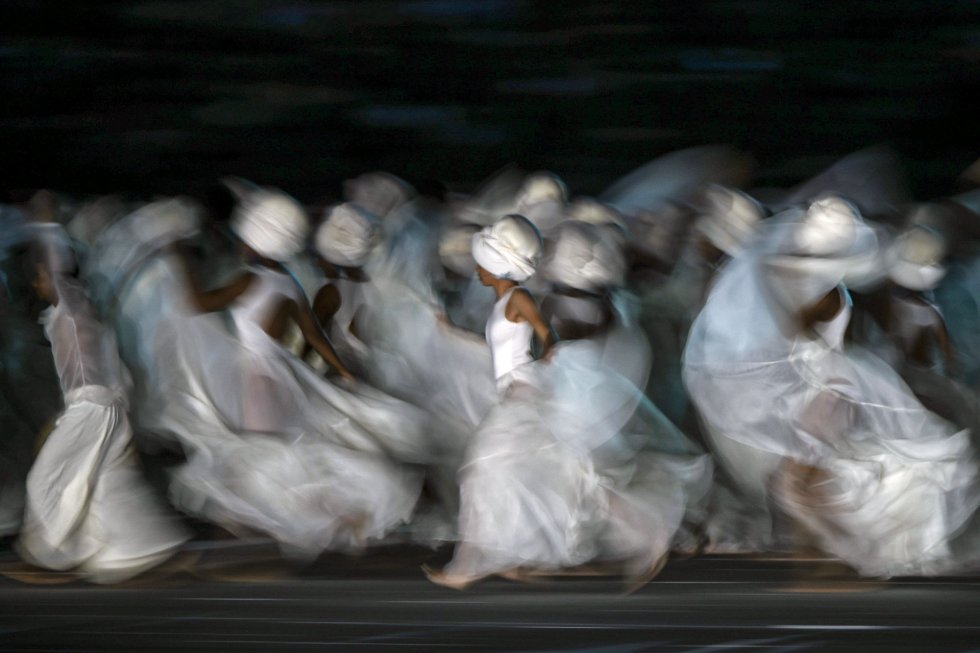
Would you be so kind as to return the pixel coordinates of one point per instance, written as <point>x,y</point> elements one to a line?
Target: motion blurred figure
<point>88,509</point>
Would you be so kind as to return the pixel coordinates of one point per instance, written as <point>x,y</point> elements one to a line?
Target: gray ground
<point>383,602</point>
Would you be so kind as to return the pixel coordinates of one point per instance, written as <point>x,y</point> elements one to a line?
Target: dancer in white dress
<point>831,433</point>
<point>548,484</point>
<point>650,474</point>
<point>508,510</point>
<point>270,445</point>
<point>88,509</point>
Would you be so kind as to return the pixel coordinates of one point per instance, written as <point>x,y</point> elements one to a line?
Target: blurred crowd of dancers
<point>684,363</point>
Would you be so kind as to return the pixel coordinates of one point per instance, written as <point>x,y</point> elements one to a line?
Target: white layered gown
<point>565,467</point>
<point>271,446</point>
<point>87,507</point>
<point>899,481</point>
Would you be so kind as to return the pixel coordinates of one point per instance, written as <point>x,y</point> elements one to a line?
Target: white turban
<point>347,235</point>
<point>378,192</point>
<point>542,201</point>
<point>730,219</point>
<point>916,259</point>
<point>541,187</point>
<point>829,227</point>
<point>587,257</point>
<point>828,245</point>
<point>456,249</point>
<point>509,249</point>
<point>271,223</point>
<point>586,209</point>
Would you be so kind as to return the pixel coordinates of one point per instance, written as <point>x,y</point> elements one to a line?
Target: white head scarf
<point>587,257</point>
<point>542,200</point>
<point>823,247</point>
<point>509,249</point>
<point>586,209</point>
<point>456,249</point>
<point>379,193</point>
<point>916,259</point>
<point>347,235</point>
<point>730,219</point>
<point>541,187</point>
<point>272,223</point>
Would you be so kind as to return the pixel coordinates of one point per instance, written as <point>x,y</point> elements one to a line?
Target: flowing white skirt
<point>88,507</point>
<point>575,468</point>
<point>897,482</point>
<point>271,446</point>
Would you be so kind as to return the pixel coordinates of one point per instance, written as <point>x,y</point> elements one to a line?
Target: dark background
<point>167,96</point>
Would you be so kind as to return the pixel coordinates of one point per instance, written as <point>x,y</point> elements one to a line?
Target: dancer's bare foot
<point>452,581</point>
<point>637,581</point>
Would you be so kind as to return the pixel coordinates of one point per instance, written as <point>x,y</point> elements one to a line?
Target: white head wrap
<point>730,219</point>
<point>272,223</point>
<point>541,187</point>
<point>916,259</point>
<point>829,227</point>
<point>587,257</point>
<point>456,249</point>
<point>378,192</point>
<point>509,249</point>
<point>542,201</point>
<point>586,209</point>
<point>827,245</point>
<point>347,235</point>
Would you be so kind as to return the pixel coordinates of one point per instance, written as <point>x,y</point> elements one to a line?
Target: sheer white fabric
<point>901,481</point>
<point>271,446</point>
<point>566,467</point>
<point>87,507</point>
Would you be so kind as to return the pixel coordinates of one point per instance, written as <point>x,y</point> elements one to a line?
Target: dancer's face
<point>486,278</point>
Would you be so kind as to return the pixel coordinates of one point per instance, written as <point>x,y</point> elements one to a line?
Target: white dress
<point>900,481</point>
<point>285,451</point>
<point>87,507</point>
<point>271,447</point>
<point>550,479</point>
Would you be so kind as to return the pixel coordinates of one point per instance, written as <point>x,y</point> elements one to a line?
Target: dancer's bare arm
<point>523,307</point>
<point>313,332</point>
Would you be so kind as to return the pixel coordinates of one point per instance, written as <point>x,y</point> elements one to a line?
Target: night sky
<point>165,97</point>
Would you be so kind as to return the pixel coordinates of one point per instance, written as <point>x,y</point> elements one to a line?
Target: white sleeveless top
<point>253,309</point>
<point>510,342</point>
